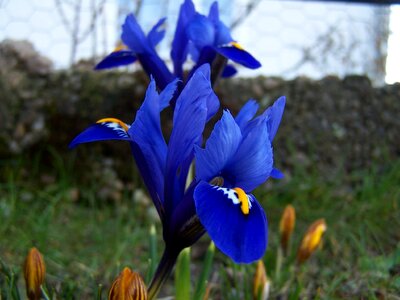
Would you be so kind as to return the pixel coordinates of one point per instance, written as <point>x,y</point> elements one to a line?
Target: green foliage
<point>182,276</point>
<point>86,242</point>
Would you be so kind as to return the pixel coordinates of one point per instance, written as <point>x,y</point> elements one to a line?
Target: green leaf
<point>182,276</point>
<point>205,273</point>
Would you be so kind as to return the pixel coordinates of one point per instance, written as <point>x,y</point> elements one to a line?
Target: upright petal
<point>213,14</point>
<point>274,114</point>
<point>167,94</point>
<point>105,129</point>
<point>221,146</point>
<point>252,163</point>
<point>247,113</point>
<point>243,237</point>
<point>223,34</point>
<point>146,133</point>
<point>201,31</point>
<point>156,34</point>
<point>180,42</point>
<point>189,120</point>
<point>134,37</point>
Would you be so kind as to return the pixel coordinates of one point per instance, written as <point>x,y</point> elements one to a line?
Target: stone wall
<point>329,125</point>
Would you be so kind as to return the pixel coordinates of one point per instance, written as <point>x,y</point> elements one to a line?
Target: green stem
<point>279,260</point>
<point>163,271</point>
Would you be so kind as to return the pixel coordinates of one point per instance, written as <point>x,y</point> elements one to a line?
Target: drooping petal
<point>220,148</point>
<point>112,129</point>
<point>180,42</point>
<point>156,34</point>
<point>188,123</point>
<point>243,237</point>
<point>201,31</point>
<point>238,55</point>
<point>146,133</point>
<point>274,114</point>
<point>252,163</point>
<point>228,71</point>
<point>247,113</point>
<point>116,59</point>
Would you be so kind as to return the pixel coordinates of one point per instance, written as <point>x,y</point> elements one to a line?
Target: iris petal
<point>134,37</point>
<point>239,56</point>
<point>220,148</point>
<point>167,94</point>
<point>146,133</point>
<point>155,35</point>
<point>242,237</point>
<point>116,59</point>
<point>201,31</point>
<point>274,114</point>
<point>223,34</point>
<point>180,42</point>
<point>188,124</point>
<point>228,71</point>
<point>252,163</point>
<point>277,174</point>
<point>100,132</point>
<point>247,113</point>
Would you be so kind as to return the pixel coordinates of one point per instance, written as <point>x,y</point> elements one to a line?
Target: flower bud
<point>286,226</point>
<point>261,283</point>
<point>34,273</point>
<point>311,240</point>
<point>128,286</point>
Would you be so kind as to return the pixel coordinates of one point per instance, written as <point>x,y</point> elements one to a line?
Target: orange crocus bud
<point>34,273</point>
<point>286,226</point>
<point>311,240</point>
<point>128,286</point>
<point>261,283</point>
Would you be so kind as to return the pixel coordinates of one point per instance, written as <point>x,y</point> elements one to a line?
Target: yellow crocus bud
<point>34,273</point>
<point>261,283</point>
<point>128,286</point>
<point>286,226</point>
<point>311,240</point>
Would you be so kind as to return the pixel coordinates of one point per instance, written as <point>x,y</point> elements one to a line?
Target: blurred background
<point>291,38</point>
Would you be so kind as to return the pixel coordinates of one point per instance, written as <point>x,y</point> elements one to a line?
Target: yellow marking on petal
<point>114,120</point>
<point>120,47</point>
<point>237,45</point>
<point>244,200</point>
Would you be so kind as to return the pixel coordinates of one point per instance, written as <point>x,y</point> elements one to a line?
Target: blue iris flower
<point>236,159</point>
<point>204,38</point>
<point>164,168</point>
<point>207,38</point>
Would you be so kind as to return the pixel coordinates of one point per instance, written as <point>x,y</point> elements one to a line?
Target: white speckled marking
<point>117,128</point>
<point>232,195</point>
